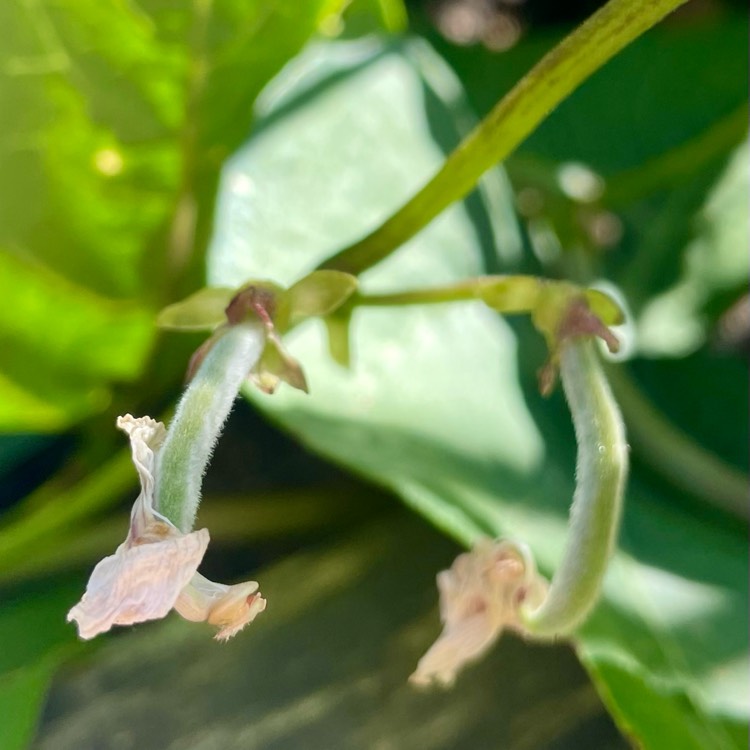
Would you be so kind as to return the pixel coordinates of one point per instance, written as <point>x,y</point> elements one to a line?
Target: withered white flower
<point>155,568</point>
<point>480,595</point>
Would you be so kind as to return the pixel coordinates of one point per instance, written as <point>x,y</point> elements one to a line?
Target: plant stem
<point>461,291</point>
<point>597,502</point>
<point>200,416</point>
<point>527,104</point>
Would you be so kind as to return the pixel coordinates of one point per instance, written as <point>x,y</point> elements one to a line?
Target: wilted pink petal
<point>138,583</point>
<point>479,596</point>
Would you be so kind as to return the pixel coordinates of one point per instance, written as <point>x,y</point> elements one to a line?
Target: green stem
<point>673,454</point>
<point>597,502</point>
<point>200,416</point>
<point>461,291</point>
<point>559,73</point>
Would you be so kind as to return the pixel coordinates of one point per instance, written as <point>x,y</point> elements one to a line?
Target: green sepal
<point>201,311</point>
<point>510,294</point>
<point>277,365</point>
<point>337,328</point>
<point>604,307</point>
<point>565,312</point>
<point>319,294</point>
<point>316,295</point>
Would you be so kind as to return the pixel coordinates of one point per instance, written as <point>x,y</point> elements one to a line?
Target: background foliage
<point>118,121</point>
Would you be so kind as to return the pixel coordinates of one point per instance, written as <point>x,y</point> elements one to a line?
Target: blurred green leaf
<point>116,120</point>
<point>663,717</point>
<point>363,16</point>
<point>62,342</point>
<point>21,697</point>
<point>35,640</point>
<point>715,261</point>
<point>433,407</point>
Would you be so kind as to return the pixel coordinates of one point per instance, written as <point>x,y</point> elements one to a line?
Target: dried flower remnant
<point>155,568</point>
<point>480,594</point>
<point>229,608</point>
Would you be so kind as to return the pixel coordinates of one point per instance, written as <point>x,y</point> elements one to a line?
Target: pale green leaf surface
<point>432,406</point>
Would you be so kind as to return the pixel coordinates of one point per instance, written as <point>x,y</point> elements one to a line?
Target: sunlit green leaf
<point>116,120</point>
<point>433,406</point>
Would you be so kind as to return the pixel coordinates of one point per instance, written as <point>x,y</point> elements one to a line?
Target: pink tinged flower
<point>155,568</point>
<point>480,595</point>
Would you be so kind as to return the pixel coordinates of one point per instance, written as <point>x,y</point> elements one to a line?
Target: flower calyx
<point>567,313</point>
<point>318,294</point>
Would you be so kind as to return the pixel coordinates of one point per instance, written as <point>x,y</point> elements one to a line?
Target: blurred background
<point>147,150</point>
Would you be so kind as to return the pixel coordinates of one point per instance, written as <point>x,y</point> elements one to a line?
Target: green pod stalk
<point>199,419</point>
<point>595,514</point>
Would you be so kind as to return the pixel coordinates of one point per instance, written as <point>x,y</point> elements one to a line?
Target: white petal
<point>146,437</point>
<point>480,595</point>
<point>452,650</point>
<point>138,583</point>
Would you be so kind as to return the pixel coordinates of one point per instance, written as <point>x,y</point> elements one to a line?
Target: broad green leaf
<point>21,697</point>
<point>116,120</point>
<point>35,640</point>
<point>61,341</point>
<point>325,667</point>
<point>433,406</point>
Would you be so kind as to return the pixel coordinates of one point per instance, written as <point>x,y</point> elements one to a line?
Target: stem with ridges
<point>595,514</point>
<point>527,104</point>
<point>198,421</point>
